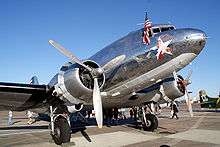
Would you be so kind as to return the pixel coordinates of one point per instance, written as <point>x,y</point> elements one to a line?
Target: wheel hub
<point>57,132</point>
<point>148,123</point>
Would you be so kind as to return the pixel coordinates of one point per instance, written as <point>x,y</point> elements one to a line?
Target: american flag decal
<point>147,27</point>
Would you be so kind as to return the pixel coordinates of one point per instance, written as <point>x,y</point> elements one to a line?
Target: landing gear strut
<point>60,127</point>
<point>149,121</point>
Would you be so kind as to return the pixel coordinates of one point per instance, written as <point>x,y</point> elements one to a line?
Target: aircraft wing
<point>19,97</point>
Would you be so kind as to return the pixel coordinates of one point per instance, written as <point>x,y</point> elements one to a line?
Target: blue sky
<point>85,27</point>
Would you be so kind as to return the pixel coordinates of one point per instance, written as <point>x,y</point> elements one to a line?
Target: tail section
<point>208,102</point>
<point>203,96</point>
<point>34,81</point>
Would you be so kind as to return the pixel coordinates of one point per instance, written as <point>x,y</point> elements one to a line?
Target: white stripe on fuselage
<point>144,81</point>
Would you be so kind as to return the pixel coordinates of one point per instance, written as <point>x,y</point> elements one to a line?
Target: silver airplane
<point>135,70</point>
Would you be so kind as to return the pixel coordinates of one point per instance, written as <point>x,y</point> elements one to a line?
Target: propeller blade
<point>175,75</point>
<point>113,63</point>
<point>189,74</point>
<point>97,103</point>
<point>188,103</point>
<point>68,54</point>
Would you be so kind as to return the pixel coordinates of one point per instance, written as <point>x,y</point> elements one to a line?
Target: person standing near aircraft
<point>175,110</point>
<point>135,113</point>
<point>89,112</point>
<point>115,116</point>
<point>131,113</point>
<point>10,116</point>
<point>31,118</point>
<point>109,116</point>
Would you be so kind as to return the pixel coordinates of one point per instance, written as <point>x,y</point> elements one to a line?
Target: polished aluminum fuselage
<point>132,73</point>
<point>140,67</point>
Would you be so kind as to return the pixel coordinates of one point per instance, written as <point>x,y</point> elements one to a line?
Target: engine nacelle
<point>174,89</point>
<point>74,81</point>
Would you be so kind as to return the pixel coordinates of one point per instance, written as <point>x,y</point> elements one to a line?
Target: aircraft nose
<point>196,40</point>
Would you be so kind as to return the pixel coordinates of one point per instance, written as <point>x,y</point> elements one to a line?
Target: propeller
<point>184,83</point>
<point>95,72</point>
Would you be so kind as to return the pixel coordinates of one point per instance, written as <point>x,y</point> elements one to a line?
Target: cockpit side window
<point>156,30</point>
<point>164,29</point>
<point>171,28</point>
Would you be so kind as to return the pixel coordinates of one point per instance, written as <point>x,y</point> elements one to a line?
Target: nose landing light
<point>196,36</point>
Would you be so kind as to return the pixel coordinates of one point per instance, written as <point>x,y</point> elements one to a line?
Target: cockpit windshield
<point>162,29</point>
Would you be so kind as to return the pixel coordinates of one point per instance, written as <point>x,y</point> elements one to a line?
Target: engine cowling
<point>174,89</point>
<point>76,81</point>
<point>79,81</point>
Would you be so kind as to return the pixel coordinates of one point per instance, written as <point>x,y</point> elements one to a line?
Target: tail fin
<point>34,81</point>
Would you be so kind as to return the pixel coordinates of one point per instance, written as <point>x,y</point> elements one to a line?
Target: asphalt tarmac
<point>203,130</point>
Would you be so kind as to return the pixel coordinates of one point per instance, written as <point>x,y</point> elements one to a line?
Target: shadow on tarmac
<point>24,127</point>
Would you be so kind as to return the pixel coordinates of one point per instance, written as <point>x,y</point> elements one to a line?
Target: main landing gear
<point>149,120</point>
<point>60,126</point>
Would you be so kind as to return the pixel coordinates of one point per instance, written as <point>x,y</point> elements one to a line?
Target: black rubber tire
<point>62,131</point>
<point>153,122</point>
